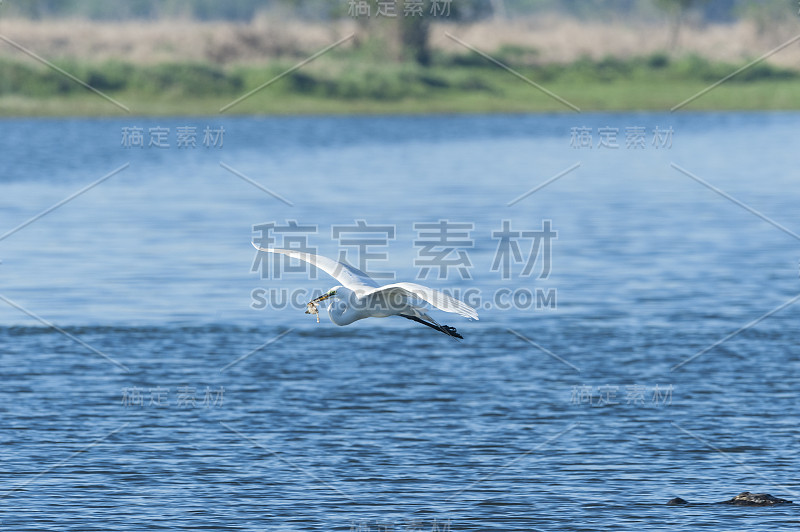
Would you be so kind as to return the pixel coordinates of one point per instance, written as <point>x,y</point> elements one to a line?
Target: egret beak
<point>324,296</point>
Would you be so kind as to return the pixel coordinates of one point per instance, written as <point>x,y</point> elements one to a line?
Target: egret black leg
<point>449,331</point>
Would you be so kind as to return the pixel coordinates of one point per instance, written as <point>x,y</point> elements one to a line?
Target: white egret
<point>359,296</point>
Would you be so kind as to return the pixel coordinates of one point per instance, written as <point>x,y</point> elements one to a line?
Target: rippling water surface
<point>146,402</point>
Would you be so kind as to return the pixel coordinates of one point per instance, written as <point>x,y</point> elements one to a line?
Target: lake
<point>636,277</point>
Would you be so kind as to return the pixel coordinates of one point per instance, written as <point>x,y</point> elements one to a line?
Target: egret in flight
<point>358,296</point>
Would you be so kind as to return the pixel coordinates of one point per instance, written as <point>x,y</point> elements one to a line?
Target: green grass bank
<point>346,82</point>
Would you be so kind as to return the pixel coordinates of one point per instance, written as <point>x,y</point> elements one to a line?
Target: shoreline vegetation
<point>460,84</point>
<point>365,76</point>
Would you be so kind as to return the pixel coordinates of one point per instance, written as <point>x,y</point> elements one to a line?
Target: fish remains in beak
<point>312,309</point>
<point>311,306</point>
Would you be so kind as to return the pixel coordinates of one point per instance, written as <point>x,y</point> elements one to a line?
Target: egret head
<point>341,310</point>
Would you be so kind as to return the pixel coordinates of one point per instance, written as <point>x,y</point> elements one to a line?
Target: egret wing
<point>436,298</point>
<point>346,275</point>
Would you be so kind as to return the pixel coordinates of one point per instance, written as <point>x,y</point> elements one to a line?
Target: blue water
<point>144,405</point>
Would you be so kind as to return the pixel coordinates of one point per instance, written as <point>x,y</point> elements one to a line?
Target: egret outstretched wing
<point>436,298</point>
<point>346,275</point>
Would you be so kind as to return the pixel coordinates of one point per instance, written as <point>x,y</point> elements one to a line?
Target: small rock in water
<point>677,501</point>
<point>743,499</point>
<point>756,499</point>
